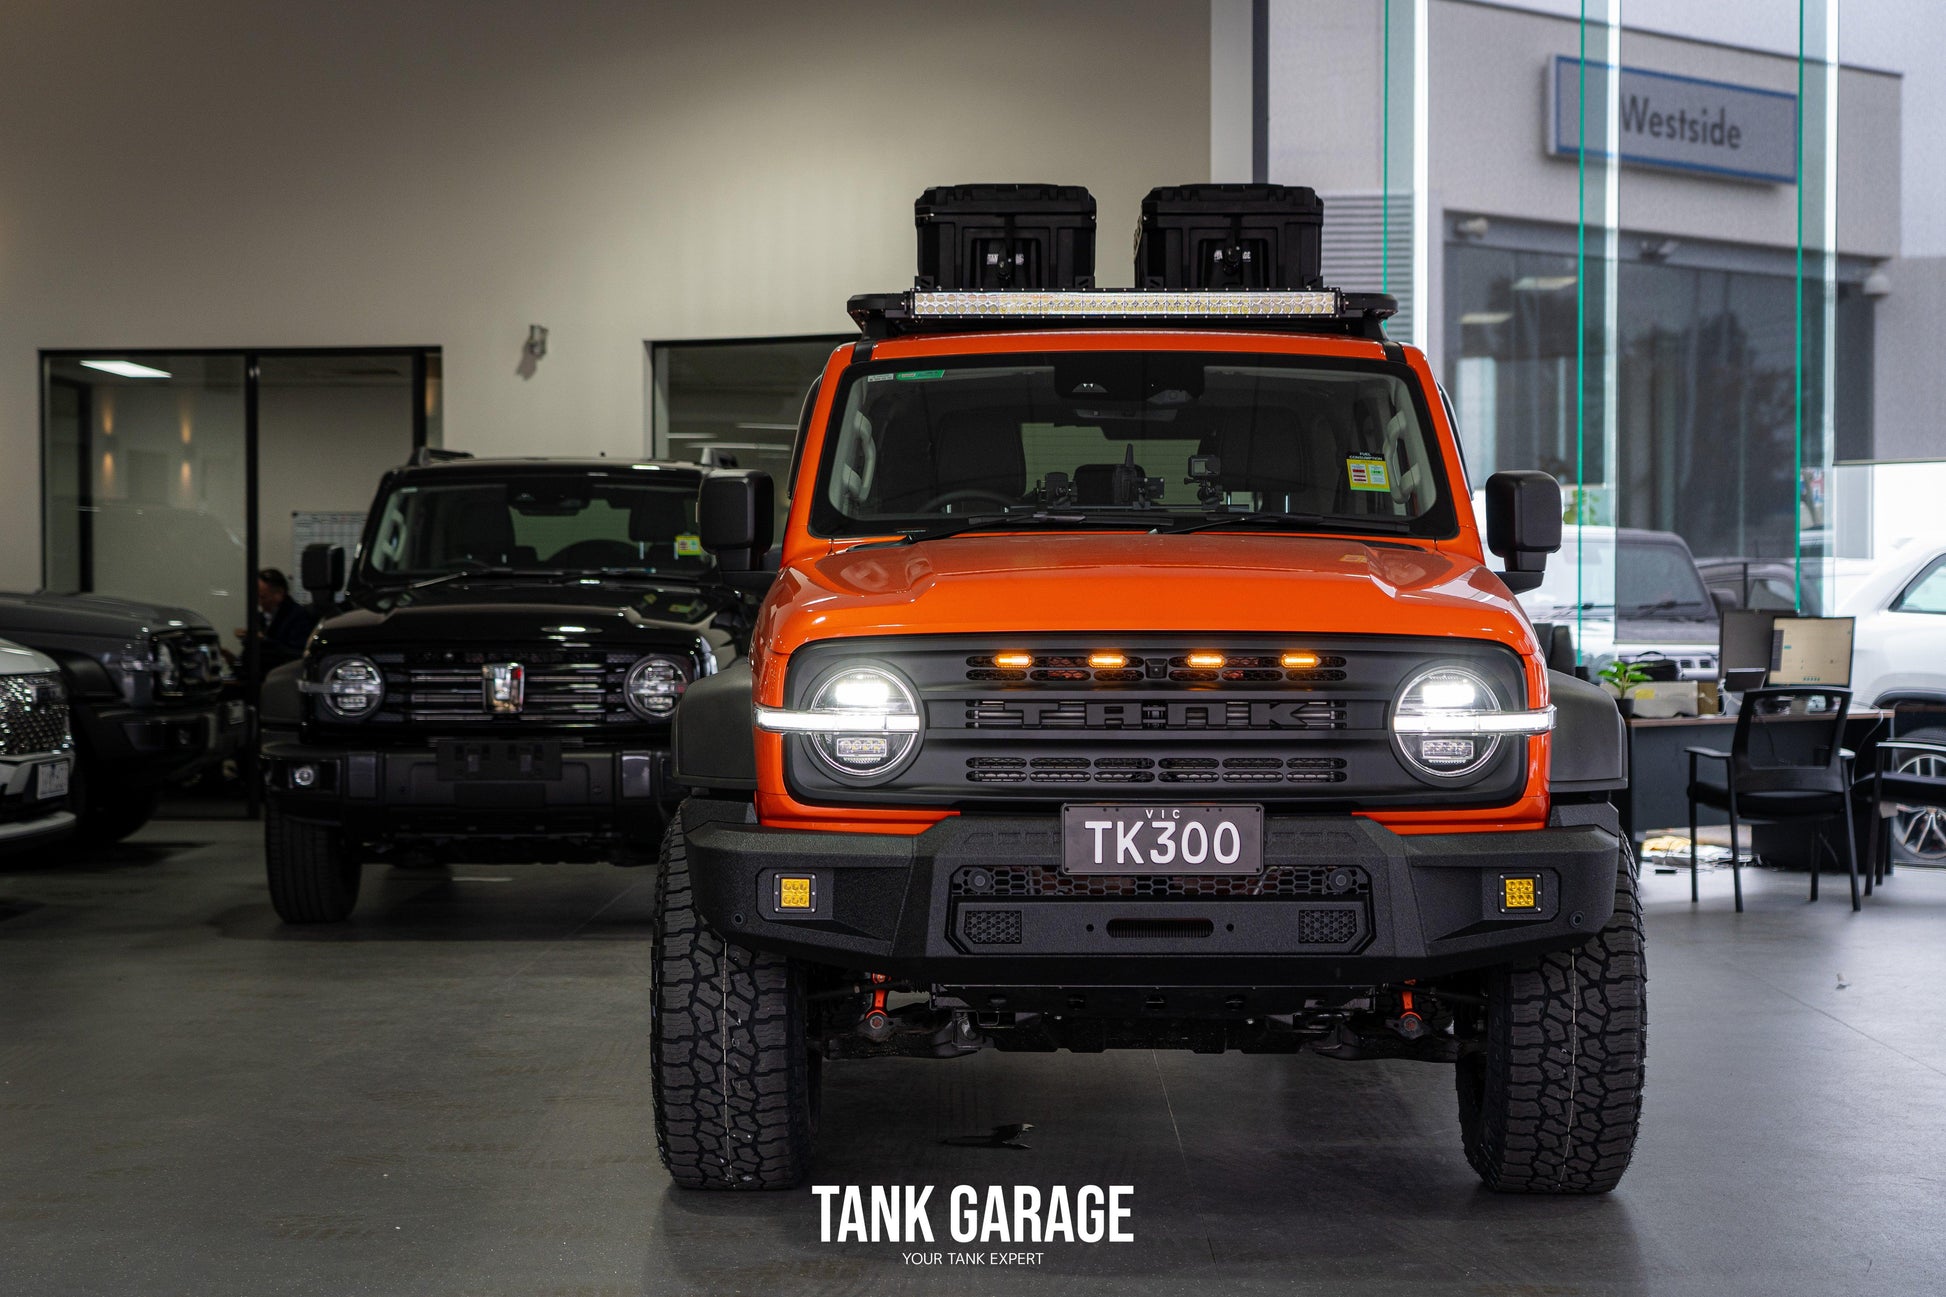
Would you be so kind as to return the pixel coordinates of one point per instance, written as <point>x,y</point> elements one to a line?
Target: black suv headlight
<point>863,722</point>
<point>351,688</point>
<point>1448,722</point>
<point>654,686</point>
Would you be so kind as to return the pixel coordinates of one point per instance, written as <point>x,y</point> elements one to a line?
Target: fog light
<point>796,893</point>
<point>1519,894</point>
<point>304,776</point>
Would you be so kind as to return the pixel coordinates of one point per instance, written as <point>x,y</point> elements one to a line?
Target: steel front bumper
<point>981,900</point>
<point>403,793</point>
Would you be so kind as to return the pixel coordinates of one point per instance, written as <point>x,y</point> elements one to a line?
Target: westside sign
<point>1681,123</point>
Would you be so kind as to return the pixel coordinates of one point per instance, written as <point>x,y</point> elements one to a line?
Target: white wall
<point>365,173</point>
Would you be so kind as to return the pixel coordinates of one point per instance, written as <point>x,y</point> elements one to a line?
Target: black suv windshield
<point>541,523</point>
<point>1171,439</point>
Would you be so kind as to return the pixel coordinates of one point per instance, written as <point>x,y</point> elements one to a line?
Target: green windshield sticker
<point>689,545</point>
<point>1367,473</point>
<point>912,374</point>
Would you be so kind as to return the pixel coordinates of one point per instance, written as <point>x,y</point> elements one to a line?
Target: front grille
<point>33,715</point>
<point>992,927</point>
<point>1044,882</point>
<point>1326,927</point>
<point>563,687</point>
<point>1099,771</point>
<point>1192,712</point>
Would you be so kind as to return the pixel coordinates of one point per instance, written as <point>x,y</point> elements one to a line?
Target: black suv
<point>498,681</point>
<point>150,701</point>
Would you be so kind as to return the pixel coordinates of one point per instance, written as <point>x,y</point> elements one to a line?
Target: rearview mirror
<point>734,512</point>
<point>322,572</point>
<point>1523,524</point>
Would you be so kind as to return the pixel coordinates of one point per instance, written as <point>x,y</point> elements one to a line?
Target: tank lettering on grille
<point>1213,714</point>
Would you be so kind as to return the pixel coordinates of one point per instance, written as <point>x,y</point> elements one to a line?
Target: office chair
<point>1786,762</point>
<point>1909,773</point>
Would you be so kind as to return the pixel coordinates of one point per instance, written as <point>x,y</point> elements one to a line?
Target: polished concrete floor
<point>448,1096</point>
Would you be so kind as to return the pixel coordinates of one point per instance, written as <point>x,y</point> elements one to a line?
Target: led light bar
<point>1122,304</point>
<point>1539,722</point>
<point>779,721</point>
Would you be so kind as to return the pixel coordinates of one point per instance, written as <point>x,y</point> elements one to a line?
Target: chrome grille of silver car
<point>33,715</point>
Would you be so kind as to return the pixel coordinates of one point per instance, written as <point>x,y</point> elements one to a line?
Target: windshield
<point>539,524</point>
<point>1652,578</point>
<point>1159,438</point>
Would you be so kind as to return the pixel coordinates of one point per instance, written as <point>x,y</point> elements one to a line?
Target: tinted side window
<point>1928,593</point>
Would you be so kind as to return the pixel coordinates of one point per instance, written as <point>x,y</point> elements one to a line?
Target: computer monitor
<point>1744,642</point>
<point>1811,651</point>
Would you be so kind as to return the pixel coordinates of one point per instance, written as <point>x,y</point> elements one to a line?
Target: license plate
<point>51,780</point>
<point>1127,839</point>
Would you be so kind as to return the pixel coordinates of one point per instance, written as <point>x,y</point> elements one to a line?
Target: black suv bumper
<point>981,901</point>
<point>578,801</point>
<point>142,748</point>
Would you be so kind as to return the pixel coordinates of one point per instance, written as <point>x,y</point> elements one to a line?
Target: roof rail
<point>1322,310</point>
<point>425,455</point>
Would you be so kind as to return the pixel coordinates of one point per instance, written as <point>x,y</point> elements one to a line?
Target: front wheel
<point>734,1080</point>
<point>313,877</point>
<point>1552,1101</point>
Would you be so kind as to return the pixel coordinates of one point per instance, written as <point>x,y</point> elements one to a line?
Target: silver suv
<point>36,750</point>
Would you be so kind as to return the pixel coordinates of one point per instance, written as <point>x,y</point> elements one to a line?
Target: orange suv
<point>1132,676</point>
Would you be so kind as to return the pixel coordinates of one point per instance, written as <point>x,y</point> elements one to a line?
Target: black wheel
<point>313,878</point>
<point>735,1085</point>
<point>1552,1102</point>
<point>105,813</point>
<point>1919,832</point>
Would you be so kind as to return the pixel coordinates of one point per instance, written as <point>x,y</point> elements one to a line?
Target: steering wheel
<point>596,552</point>
<point>945,498</point>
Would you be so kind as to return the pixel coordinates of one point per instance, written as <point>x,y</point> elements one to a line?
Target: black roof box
<point>1231,236</point>
<point>998,237</point>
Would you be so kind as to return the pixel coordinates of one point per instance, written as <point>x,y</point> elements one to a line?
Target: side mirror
<point>1523,524</point>
<point>322,573</point>
<point>733,512</point>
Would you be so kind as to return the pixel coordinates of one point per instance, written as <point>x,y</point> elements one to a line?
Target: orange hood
<point>1118,582</point>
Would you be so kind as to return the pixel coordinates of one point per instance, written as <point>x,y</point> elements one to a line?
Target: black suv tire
<point>313,878</point>
<point>1552,1103</point>
<point>735,1084</point>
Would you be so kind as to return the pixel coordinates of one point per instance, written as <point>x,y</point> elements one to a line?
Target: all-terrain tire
<point>735,1086</point>
<point>313,878</point>
<point>1552,1103</point>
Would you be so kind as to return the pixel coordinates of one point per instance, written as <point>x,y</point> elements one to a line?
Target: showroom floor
<point>448,1096</point>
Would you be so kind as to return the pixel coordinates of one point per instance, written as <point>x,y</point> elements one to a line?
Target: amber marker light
<point>1108,661</point>
<point>1205,661</point>
<point>1013,661</point>
<point>1299,661</point>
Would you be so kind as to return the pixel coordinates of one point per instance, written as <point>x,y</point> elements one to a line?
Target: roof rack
<point>1322,310</point>
<point>425,455</point>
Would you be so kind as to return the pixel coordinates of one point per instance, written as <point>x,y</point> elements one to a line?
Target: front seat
<point>482,531</point>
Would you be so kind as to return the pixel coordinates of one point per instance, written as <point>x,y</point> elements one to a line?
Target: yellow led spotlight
<point>1107,660</point>
<point>795,893</point>
<point>1519,894</point>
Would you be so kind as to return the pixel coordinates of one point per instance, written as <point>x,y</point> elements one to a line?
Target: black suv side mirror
<point>1523,524</point>
<point>322,574</point>
<point>734,513</point>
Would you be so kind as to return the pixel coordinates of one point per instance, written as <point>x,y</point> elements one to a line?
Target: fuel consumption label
<point>689,545</point>
<point>1367,473</point>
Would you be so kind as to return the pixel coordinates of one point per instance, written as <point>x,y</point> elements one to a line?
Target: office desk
<point>1657,796</point>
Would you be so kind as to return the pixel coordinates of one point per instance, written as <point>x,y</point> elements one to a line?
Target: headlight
<point>1448,722</point>
<point>352,687</point>
<point>863,722</point>
<point>654,686</point>
<point>168,671</point>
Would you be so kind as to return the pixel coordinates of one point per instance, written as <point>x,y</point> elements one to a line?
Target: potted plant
<point>1618,676</point>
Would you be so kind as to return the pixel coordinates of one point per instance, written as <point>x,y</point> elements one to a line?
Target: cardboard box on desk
<point>1661,699</point>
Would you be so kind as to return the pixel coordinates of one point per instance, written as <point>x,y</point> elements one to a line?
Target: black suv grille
<point>563,687</point>
<point>33,715</point>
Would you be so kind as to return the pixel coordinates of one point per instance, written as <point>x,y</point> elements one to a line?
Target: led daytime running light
<point>778,720</point>
<point>1538,722</point>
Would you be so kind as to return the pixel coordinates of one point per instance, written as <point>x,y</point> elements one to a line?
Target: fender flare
<point>1590,747</point>
<point>714,737</point>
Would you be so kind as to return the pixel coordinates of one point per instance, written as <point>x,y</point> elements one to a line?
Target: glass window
<point>1927,594</point>
<point>1327,446</point>
<point>537,524</point>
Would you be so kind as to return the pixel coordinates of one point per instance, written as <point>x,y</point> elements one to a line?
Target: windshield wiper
<point>993,521</point>
<point>464,572</point>
<point>1307,521</point>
